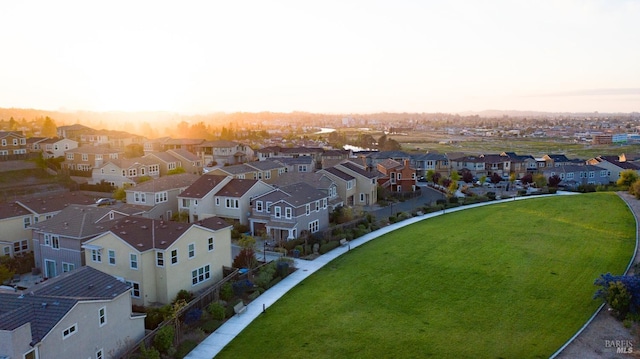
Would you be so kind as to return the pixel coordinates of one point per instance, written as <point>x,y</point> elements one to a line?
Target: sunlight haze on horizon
<point>321,56</point>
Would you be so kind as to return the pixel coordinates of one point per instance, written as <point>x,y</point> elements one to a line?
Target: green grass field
<point>511,280</point>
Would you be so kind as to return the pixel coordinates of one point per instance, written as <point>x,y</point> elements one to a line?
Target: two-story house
<point>572,176</point>
<point>319,181</point>
<point>167,161</point>
<point>125,171</point>
<point>81,314</point>
<point>396,176</point>
<point>614,165</point>
<point>189,161</point>
<point>198,199</point>
<point>298,164</point>
<point>12,144</point>
<point>158,198</point>
<point>431,161</point>
<point>366,183</point>
<point>160,258</point>
<point>85,159</point>
<point>56,147</point>
<point>285,212</point>
<point>345,184</point>
<point>266,170</point>
<point>521,164</point>
<point>74,132</point>
<point>232,201</point>
<point>224,152</point>
<point>58,241</point>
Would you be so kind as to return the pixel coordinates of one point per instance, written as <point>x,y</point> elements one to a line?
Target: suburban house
<point>266,170</point>
<point>298,164</point>
<point>56,147</point>
<point>17,217</point>
<point>124,171</point>
<point>188,144</point>
<point>160,258</point>
<point>553,160</point>
<point>615,165</point>
<point>274,152</point>
<point>74,132</point>
<point>190,162</point>
<point>366,182</point>
<point>345,184</point>
<point>12,143</point>
<point>81,314</point>
<point>497,164</point>
<point>15,222</point>
<point>331,158</point>
<point>284,213</point>
<point>436,162</point>
<point>396,176</point>
<point>57,242</point>
<point>521,164</point>
<point>318,180</point>
<point>233,200</point>
<point>573,176</point>
<point>198,199</point>
<point>158,198</point>
<point>370,160</point>
<point>475,165</point>
<point>167,161</point>
<point>223,152</point>
<point>86,158</point>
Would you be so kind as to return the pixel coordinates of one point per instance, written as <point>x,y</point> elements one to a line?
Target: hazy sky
<point>321,56</point>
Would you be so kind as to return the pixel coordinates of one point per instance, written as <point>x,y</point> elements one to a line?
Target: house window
<point>268,207</point>
<point>232,203</point>
<point>592,174</point>
<point>307,209</point>
<point>112,257</point>
<point>96,256</point>
<point>174,256</point>
<point>67,267</point>
<point>133,260</point>
<point>26,222</point>
<point>135,289</point>
<point>30,354</point>
<point>259,206</point>
<point>324,203</point>
<point>277,211</point>
<point>47,240</point>
<point>102,316</point>
<point>210,244</point>
<point>99,354</point>
<point>217,201</point>
<point>302,168</point>
<point>160,259</point>
<point>161,197</point>
<point>350,184</point>
<point>6,250</point>
<point>85,157</point>
<point>192,250</point>
<point>200,275</point>
<point>69,331</point>
<point>132,172</point>
<point>361,197</point>
<point>314,226</point>
<point>267,175</point>
<point>287,212</point>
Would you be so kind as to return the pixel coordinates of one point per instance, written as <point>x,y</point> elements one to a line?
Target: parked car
<point>105,201</point>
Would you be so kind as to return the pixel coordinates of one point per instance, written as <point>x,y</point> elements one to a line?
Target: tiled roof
<point>237,169</point>
<point>184,154</point>
<point>10,210</point>
<point>48,203</point>
<point>184,141</point>
<point>289,161</point>
<point>165,183</point>
<point>218,144</point>
<point>202,186</point>
<point>145,233</point>
<point>357,169</point>
<point>336,172</point>
<point>214,223</point>
<point>94,150</point>
<point>265,165</point>
<point>316,179</point>
<point>125,163</point>
<point>163,156</point>
<point>302,193</point>
<point>76,221</point>
<point>236,187</point>
<point>390,164</point>
<point>50,301</point>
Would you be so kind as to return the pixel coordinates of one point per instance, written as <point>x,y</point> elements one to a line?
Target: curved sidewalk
<point>213,344</point>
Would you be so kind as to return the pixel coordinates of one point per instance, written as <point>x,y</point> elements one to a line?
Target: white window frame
<point>69,331</point>
<point>159,259</point>
<point>277,212</point>
<point>67,267</point>
<point>135,287</point>
<point>191,250</point>
<point>111,257</point>
<point>174,257</point>
<point>102,316</point>
<point>96,256</point>
<point>258,206</point>
<point>288,212</point>
<point>201,274</point>
<point>210,244</point>
<point>133,261</point>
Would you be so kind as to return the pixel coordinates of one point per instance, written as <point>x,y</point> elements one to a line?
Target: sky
<point>321,56</point>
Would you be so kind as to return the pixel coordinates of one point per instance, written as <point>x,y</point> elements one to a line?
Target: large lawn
<point>511,280</point>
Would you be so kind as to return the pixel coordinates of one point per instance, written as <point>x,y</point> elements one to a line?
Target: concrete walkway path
<point>217,340</point>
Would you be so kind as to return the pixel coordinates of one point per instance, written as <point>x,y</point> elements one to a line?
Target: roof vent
<point>123,232</point>
<point>143,227</point>
<point>140,244</point>
<point>44,304</point>
<point>90,286</point>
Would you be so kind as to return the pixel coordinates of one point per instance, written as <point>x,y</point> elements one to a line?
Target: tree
<point>527,179</point>
<point>622,293</point>
<point>554,181</point>
<point>627,177</point>
<point>635,189</point>
<point>540,180</point>
<point>5,273</point>
<point>134,150</point>
<point>366,141</point>
<point>382,141</point>
<point>49,128</point>
<point>390,145</point>
<point>466,176</point>
<point>495,178</point>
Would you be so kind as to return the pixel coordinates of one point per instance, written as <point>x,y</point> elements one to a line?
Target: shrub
<point>256,293</point>
<point>441,202</point>
<point>265,276</point>
<point>183,294</point>
<point>216,310</point>
<point>211,325</point>
<point>491,195</point>
<point>226,291</point>
<point>241,286</point>
<point>328,246</point>
<point>185,348</point>
<point>164,338</point>
<point>192,316</point>
<point>151,353</point>
<point>453,199</point>
<point>245,259</point>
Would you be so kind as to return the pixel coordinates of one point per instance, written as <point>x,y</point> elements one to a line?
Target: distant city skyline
<point>324,57</point>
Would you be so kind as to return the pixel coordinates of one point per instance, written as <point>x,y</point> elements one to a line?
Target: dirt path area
<point>598,340</point>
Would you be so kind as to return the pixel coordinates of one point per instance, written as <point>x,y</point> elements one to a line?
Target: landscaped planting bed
<point>512,280</point>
